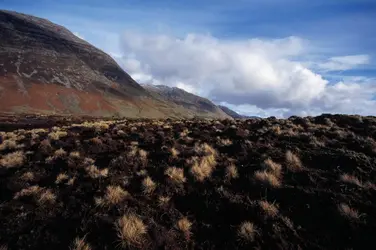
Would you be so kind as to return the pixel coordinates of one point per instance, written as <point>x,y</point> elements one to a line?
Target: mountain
<point>46,69</point>
<point>197,106</point>
<point>233,114</point>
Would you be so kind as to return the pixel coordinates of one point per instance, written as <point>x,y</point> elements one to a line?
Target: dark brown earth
<point>318,193</point>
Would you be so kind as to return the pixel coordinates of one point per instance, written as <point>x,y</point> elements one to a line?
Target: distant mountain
<point>199,106</point>
<point>233,114</point>
<point>46,69</point>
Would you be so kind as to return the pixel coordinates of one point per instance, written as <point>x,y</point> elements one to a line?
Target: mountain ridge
<point>46,69</point>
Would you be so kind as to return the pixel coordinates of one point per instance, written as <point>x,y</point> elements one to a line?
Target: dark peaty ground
<point>300,183</point>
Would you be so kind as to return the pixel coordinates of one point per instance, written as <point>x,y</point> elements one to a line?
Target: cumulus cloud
<point>257,75</point>
<point>344,62</point>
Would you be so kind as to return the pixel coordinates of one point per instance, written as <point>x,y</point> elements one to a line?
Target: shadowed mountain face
<point>46,69</point>
<point>199,105</point>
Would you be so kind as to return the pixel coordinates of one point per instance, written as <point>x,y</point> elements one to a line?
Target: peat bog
<point>298,183</point>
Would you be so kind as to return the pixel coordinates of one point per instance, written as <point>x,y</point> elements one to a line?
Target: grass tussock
<point>46,197</point>
<point>269,209</point>
<point>11,160</point>
<point>176,175</point>
<point>8,144</point>
<point>143,155</point>
<point>351,180</point>
<point>163,200</point>
<point>174,153</point>
<point>231,172</point>
<point>348,212</point>
<point>273,167</point>
<point>95,173</point>
<point>184,226</point>
<point>43,196</point>
<point>74,155</point>
<point>268,178</point>
<point>80,244</point>
<point>148,185</point>
<point>203,167</point>
<point>60,153</point>
<point>131,230</point>
<point>61,178</point>
<point>114,195</point>
<point>247,231</point>
<point>56,135</point>
<point>28,176</point>
<point>293,162</point>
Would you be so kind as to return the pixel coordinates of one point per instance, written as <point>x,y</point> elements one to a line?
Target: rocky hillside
<point>46,69</point>
<point>234,114</point>
<point>195,104</point>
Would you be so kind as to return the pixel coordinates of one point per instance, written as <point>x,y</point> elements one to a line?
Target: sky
<point>258,57</point>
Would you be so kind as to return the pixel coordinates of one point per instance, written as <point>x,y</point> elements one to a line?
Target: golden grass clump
<point>45,146</point>
<point>351,179</point>
<point>293,162</point>
<point>120,132</point>
<point>71,181</point>
<point>80,244</point>
<point>184,133</point>
<point>143,154</point>
<point>176,175</point>
<point>348,212</point>
<point>60,153</point>
<point>8,144</point>
<point>88,161</point>
<point>46,196</point>
<point>202,169</point>
<point>28,176</point>
<point>226,142</point>
<point>273,167</point>
<point>96,140</point>
<point>268,178</point>
<point>56,135</point>
<point>231,172</point>
<point>247,231</point>
<point>74,155</point>
<point>41,195</point>
<point>148,185</point>
<point>32,190</point>
<point>61,177</point>
<point>174,153</point>
<point>114,195</point>
<point>133,151</point>
<point>184,225</point>
<point>11,160</point>
<point>276,129</point>
<point>269,209</point>
<point>206,148</point>
<point>95,173</point>
<point>131,230</point>
<point>163,200</point>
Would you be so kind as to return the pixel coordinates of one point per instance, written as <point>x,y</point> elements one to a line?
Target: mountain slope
<point>234,114</point>
<point>46,69</point>
<point>197,105</point>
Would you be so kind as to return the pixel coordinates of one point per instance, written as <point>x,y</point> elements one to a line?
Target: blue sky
<point>335,39</point>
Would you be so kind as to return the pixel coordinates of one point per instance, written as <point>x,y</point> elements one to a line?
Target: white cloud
<point>256,75</point>
<point>344,62</point>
